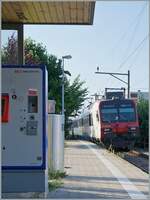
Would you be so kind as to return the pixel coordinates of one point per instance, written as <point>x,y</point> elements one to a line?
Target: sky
<point>116,42</point>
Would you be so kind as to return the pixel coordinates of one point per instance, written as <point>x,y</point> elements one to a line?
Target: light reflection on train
<point>113,122</point>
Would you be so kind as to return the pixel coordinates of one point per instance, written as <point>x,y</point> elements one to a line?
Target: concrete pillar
<point>20,44</point>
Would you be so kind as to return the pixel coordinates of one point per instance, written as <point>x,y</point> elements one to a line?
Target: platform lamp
<point>63,57</point>
<point>63,110</point>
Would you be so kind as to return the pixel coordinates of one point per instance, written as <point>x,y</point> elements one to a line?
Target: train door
<point>91,125</point>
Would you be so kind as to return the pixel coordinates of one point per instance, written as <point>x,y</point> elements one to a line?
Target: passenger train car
<point>113,122</point>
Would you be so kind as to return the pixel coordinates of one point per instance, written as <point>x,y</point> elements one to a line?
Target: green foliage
<point>36,53</point>
<point>56,174</point>
<point>9,51</point>
<point>74,95</point>
<point>54,184</point>
<point>55,179</point>
<point>143,112</point>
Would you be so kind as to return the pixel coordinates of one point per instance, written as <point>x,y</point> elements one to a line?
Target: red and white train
<point>113,122</point>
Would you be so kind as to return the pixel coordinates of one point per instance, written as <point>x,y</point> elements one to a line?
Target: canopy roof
<point>48,12</point>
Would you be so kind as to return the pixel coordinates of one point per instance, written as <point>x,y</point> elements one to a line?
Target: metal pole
<point>63,109</point>
<point>63,105</point>
<point>62,86</point>
<point>128,84</point>
<point>63,116</point>
<point>113,74</point>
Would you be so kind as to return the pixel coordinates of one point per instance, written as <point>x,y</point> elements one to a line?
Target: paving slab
<point>93,172</point>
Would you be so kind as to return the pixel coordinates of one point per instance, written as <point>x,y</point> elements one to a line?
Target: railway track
<point>136,158</point>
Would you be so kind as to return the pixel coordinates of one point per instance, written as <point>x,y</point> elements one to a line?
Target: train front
<point>119,123</point>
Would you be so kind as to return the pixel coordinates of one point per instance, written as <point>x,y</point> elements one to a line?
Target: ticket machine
<point>24,128</point>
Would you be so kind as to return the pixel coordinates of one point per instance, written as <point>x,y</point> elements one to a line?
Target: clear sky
<point>118,29</point>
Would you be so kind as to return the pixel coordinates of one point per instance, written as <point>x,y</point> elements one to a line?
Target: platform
<point>93,173</point>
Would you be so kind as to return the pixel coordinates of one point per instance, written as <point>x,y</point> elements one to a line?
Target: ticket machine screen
<point>5,108</point>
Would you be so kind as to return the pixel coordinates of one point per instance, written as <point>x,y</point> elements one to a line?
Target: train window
<point>127,114</point>
<point>86,120</point>
<point>108,106</point>
<point>79,122</point>
<point>90,120</point>
<point>82,121</point>
<point>112,110</point>
<point>75,124</point>
<point>109,114</point>
<point>125,105</point>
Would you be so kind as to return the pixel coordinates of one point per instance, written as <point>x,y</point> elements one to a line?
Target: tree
<point>75,95</point>
<point>9,51</point>
<point>143,112</point>
<point>36,53</point>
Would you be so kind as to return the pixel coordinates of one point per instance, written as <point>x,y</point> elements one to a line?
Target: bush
<point>54,179</point>
<point>143,113</point>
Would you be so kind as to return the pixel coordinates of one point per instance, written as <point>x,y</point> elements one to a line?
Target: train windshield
<point>109,113</point>
<point>118,111</point>
<point>127,112</point>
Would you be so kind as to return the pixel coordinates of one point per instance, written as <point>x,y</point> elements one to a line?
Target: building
<point>139,94</point>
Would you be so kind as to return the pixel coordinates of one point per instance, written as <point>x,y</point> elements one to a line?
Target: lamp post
<point>63,110</point>
<point>64,57</point>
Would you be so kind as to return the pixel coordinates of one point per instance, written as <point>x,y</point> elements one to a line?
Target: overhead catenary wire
<point>130,26</point>
<point>133,52</point>
<point>127,31</point>
<point>134,31</point>
<point>136,20</point>
<point>136,57</point>
<point>138,47</point>
<point>141,45</point>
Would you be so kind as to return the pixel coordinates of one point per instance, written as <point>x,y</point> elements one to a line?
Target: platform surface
<point>93,173</point>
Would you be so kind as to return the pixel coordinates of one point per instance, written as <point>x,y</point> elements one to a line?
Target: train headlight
<point>107,130</point>
<point>132,128</point>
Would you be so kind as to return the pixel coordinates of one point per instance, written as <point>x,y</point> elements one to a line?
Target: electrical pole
<point>118,74</point>
<point>128,84</point>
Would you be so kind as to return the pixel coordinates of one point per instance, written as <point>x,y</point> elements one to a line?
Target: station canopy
<point>48,12</point>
